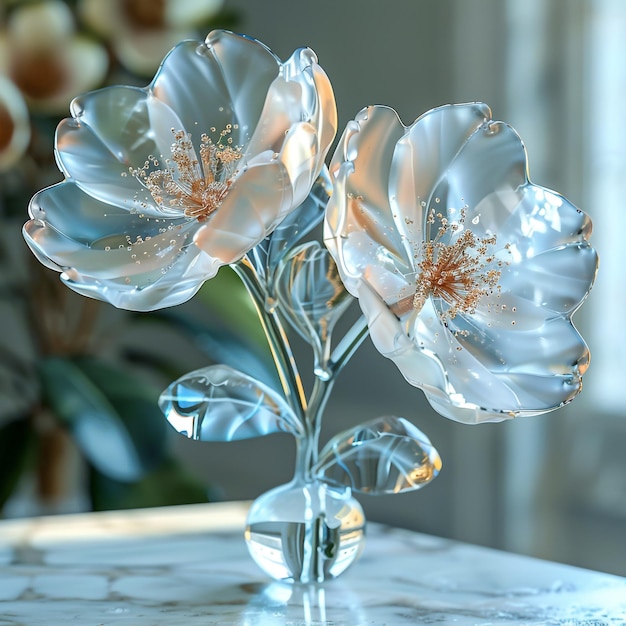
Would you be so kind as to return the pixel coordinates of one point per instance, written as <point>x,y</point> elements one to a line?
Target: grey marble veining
<point>189,566</point>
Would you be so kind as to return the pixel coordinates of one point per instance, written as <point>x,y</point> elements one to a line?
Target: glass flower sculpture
<point>466,273</point>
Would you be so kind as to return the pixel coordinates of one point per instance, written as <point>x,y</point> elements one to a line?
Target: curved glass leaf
<point>312,296</point>
<point>291,230</point>
<point>219,403</point>
<point>383,456</point>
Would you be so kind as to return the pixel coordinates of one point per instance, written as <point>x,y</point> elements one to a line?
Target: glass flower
<point>166,184</point>
<point>141,32</point>
<point>42,54</point>
<point>468,274</point>
<point>14,124</point>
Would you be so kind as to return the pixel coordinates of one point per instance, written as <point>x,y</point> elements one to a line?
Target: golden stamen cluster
<point>197,187</point>
<point>461,272</point>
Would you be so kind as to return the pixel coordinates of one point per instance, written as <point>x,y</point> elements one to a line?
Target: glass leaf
<point>219,403</point>
<point>383,456</point>
<point>296,225</point>
<point>311,295</point>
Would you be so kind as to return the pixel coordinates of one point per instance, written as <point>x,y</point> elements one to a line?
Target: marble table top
<point>189,566</point>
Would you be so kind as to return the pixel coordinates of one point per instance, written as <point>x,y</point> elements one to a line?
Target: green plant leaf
<point>219,343</point>
<point>168,484</point>
<point>226,296</point>
<point>16,440</point>
<point>113,416</point>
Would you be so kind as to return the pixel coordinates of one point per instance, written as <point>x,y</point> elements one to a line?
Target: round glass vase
<point>306,532</point>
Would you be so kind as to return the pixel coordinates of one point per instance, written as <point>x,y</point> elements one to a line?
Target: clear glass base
<point>305,532</point>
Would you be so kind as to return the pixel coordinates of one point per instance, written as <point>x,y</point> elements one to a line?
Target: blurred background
<point>552,486</point>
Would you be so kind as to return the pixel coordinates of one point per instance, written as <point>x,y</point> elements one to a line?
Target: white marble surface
<point>189,566</point>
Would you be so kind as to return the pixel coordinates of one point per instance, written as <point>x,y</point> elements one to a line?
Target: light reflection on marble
<point>189,566</point>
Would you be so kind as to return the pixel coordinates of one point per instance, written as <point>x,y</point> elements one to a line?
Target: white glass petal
<point>194,81</point>
<point>70,222</point>
<point>546,280</point>
<point>130,260</point>
<point>249,212</point>
<point>119,117</point>
<point>297,123</point>
<point>359,209</point>
<point>83,156</point>
<point>147,292</point>
<point>247,67</point>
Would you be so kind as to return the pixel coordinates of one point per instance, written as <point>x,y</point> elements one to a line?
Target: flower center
<point>195,186</point>
<point>460,273</point>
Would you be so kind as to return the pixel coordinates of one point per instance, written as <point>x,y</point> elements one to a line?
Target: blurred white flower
<point>14,124</point>
<point>44,56</point>
<point>141,32</point>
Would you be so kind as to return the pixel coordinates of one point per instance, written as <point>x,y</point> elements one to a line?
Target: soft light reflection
<point>606,164</point>
<point>48,531</point>
<point>276,598</point>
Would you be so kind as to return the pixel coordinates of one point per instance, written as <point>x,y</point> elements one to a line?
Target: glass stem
<point>347,346</point>
<point>277,340</point>
<point>310,412</point>
<point>308,446</point>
